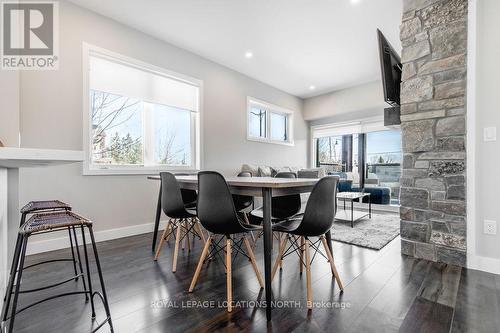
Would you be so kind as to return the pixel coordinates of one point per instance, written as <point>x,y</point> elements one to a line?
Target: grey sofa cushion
<point>253,169</point>
<point>265,171</point>
<point>311,173</point>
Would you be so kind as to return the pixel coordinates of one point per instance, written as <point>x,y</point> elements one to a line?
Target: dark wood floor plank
<point>381,289</point>
<point>387,310</point>
<point>427,316</point>
<point>441,284</point>
<point>478,303</point>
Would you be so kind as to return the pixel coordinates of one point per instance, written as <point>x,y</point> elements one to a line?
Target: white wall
<point>9,108</point>
<point>366,98</point>
<point>487,160</point>
<point>51,117</point>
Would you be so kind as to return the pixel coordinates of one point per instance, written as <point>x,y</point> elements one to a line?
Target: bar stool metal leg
<point>12,277</point>
<point>87,266</point>
<point>72,253</point>
<point>101,280</point>
<point>80,264</point>
<point>18,282</point>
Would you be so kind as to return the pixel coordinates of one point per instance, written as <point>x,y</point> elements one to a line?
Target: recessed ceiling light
<point>355,1</point>
<point>312,87</point>
<point>248,54</point>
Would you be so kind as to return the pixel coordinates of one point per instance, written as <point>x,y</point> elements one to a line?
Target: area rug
<point>374,233</point>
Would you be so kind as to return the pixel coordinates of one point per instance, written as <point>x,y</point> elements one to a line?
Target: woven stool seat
<point>49,221</point>
<point>34,206</point>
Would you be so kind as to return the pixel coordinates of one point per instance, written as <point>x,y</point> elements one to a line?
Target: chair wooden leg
<point>253,238</point>
<point>171,221</point>
<point>176,248</point>
<point>245,217</point>
<point>278,258</point>
<point>257,238</point>
<point>308,275</point>
<point>188,244</point>
<point>301,262</point>
<point>252,260</point>
<point>228,276</point>
<point>197,227</point>
<point>280,248</point>
<point>204,254</point>
<point>332,264</point>
<point>162,240</point>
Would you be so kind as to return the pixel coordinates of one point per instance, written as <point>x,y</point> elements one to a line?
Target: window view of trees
<point>383,147</point>
<point>269,123</point>
<point>116,129</point>
<point>257,123</point>
<point>121,129</point>
<point>330,150</point>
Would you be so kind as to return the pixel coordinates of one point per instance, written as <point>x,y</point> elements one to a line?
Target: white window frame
<point>270,108</point>
<point>196,119</point>
<point>365,125</point>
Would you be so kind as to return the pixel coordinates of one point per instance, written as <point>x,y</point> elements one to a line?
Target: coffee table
<point>352,216</point>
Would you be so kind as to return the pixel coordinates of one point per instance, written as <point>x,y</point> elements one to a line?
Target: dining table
<point>264,187</point>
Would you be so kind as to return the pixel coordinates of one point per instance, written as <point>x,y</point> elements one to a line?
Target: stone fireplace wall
<point>433,116</point>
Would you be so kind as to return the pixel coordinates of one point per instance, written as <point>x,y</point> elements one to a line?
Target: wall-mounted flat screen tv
<point>391,67</point>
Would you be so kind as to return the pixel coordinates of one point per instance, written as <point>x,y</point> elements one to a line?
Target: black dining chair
<point>317,220</point>
<point>243,202</point>
<point>217,213</point>
<point>282,208</point>
<point>189,197</point>
<point>182,221</point>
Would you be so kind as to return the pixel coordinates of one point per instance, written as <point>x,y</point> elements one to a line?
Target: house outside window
<point>269,123</point>
<point>139,118</point>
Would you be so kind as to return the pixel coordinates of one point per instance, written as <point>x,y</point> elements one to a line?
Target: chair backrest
<point>288,205</point>
<point>320,208</point>
<point>171,196</point>
<point>245,174</point>
<point>188,196</point>
<point>242,201</point>
<point>216,210</point>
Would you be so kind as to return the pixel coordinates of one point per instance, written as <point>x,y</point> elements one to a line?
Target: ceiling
<point>330,44</point>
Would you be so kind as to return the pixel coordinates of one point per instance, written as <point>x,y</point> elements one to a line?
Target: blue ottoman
<point>379,195</point>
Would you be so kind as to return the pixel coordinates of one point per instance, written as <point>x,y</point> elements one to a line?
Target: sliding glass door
<point>370,156</point>
<point>383,160</point>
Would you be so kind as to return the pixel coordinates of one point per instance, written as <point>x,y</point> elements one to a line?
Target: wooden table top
<point>258,182</point>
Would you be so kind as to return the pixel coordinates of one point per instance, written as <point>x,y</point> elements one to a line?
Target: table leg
<point>268,240</point>
<point>352,213</point>
<point>157,221</point>
<point>370,206</point>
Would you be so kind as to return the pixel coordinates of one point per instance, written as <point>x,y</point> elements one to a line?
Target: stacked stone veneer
<point>433,115</point>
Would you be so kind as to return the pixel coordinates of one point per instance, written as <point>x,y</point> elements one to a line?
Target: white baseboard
<point>62,242</point>
<point>485,264</point>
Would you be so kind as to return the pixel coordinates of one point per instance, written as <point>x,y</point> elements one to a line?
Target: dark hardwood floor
<point>384,292</point>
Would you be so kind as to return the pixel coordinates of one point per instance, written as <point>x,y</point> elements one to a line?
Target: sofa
<point>271,171</point>
<point>347,183</point>
<point>378,194</point>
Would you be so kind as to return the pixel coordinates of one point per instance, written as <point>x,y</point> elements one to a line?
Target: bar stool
<point>44,207</point>
<point>52,206</point>
<point>47,222</point>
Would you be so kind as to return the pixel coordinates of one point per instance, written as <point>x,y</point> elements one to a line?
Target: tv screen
<point>391,67</point>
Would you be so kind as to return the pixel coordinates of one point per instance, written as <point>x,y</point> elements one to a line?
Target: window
<point>269,123</point>
<point>342,147</point>
<point>330,153</point>
<point>140,119</point>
